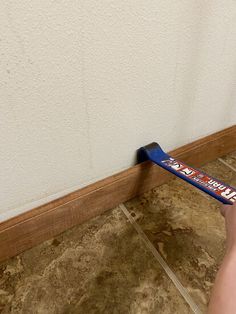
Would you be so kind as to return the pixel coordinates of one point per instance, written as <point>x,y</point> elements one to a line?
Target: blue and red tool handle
<point>215,188</point>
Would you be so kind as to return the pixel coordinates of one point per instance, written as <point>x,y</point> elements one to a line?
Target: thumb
<point>224,209</point>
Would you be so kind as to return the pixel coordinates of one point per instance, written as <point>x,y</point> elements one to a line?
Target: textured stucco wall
<point>85,83</point>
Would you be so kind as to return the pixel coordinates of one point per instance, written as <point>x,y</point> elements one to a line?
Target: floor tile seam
<point>182,290</point>
<point>206,196</point>
<point>227,164</point>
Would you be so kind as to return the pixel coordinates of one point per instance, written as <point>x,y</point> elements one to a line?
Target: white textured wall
<point>83,84</point>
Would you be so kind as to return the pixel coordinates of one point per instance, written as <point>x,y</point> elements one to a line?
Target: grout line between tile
<point>227,165</point>
<point>201,193</point>
<point>161,261</point>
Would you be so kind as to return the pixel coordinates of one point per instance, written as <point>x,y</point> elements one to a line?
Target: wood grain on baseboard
<point>42,223</point>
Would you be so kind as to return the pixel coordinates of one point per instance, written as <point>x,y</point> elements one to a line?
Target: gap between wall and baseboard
<point>44,222</point>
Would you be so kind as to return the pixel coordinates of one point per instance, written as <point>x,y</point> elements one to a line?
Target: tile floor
<point>106,266</point>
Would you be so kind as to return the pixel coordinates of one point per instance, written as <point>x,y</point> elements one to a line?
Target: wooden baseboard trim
<point>42,223</point>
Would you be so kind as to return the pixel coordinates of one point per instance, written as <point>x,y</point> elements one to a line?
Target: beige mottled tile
<point>221,172</point>
<point>98,267</point>
<point>187,230</point>
<point>230,159</point>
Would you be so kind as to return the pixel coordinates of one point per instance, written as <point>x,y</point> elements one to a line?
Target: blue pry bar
<point>212,186</point>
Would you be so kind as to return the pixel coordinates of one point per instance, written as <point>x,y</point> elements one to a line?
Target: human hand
<point>223,297</point>
<point>229,212</point>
